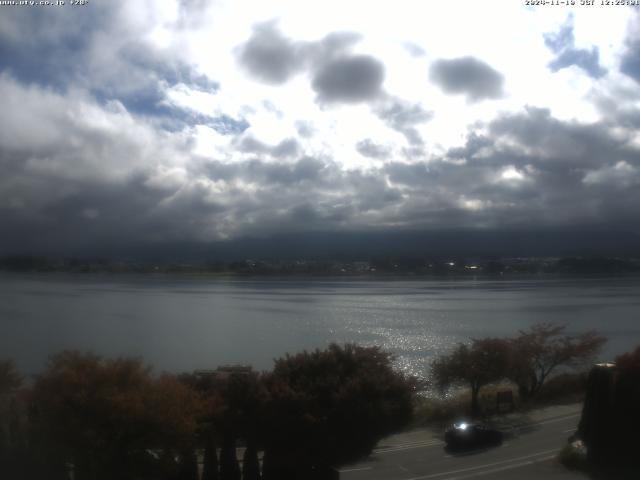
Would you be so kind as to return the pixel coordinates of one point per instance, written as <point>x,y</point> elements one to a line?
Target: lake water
<point>183,323</point>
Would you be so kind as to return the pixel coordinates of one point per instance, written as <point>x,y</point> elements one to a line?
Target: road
<point>528,452</point>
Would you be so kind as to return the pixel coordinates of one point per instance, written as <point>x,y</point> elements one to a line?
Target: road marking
<point>544,422</point>
<point>478,467</point>
<point>569,430</point>
<point>553,420</point>
<point>407,444</point>
<point>517,429</point>
<point>354,469</point>
<point>502,469</point>
<point>409,447</point>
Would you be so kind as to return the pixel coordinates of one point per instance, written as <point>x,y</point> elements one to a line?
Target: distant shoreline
<point>324,276</point>
<point>388,267</point>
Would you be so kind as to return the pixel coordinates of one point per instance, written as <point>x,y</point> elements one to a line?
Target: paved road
<point>528,452</point>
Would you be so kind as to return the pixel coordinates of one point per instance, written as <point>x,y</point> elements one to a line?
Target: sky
<point>151,123</point>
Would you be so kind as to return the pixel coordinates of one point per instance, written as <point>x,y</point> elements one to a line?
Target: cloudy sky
<point>149,122</point>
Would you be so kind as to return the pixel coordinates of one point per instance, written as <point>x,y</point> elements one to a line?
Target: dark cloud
<point>351,79</point>
<point>307,169</point>
<point>289,147</point>
<point>630,64</point>
<point>116,182</point>
<point>269,56</point>
<point>249,144</point>
<point>115,188</point>
<point>92,216</point>
<point>630,61</point>
<point>474,143</point>
<point>369,148</point>
<point>468,76</point>
<point>562,43</point>
<point>110,161</point>
<point>286,148</point>
<point>332,45</point>
<point>587,60</point>
<point>272,58</point>
<point>403,117</point>
<point>527,167</point>
<point>269,174</point>
<point>568,146</point>
<point>337,75</point>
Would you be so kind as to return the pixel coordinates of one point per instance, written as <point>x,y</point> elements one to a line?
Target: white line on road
<point>406,444</point>
<point>553,420</point>
<point>569,430</point>
<point>409,447</point>
<point>502,469</point>
<point>345,470</point>
<point>478,467</point>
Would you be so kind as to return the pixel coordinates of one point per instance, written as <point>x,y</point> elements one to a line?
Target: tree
<point>234,400</point>
<point>10,379</point>
<point>104,415</point>
<point>229,468</point>
<point>210,461</point>
<point>610,417</point>
<point>250,464</point>
<point>629,363</point>
<point>12,432</point>
<point>241,398</point>
<point>188,466</point>
<point>539,351</point>
<point>208,389</point>
<point>626,417</point>
<point>331,406</point>
<point>475,365</point>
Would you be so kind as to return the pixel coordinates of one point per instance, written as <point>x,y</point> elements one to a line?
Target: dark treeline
<point>105,418</point>
<point>114,418</point>
<point>610,422</point>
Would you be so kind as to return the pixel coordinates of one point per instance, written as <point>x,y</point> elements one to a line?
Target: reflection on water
<point>185,323</point>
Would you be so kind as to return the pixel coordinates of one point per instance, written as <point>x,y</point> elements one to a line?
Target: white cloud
<point>511,175</point>
<point>620,174</point>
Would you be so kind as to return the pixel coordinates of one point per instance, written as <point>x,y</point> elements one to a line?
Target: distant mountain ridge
<point>364,245</point>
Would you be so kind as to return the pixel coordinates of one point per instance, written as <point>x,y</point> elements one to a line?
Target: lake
<point>184,323</point>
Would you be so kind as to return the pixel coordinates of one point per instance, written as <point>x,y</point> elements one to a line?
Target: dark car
<point>466,435</point>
